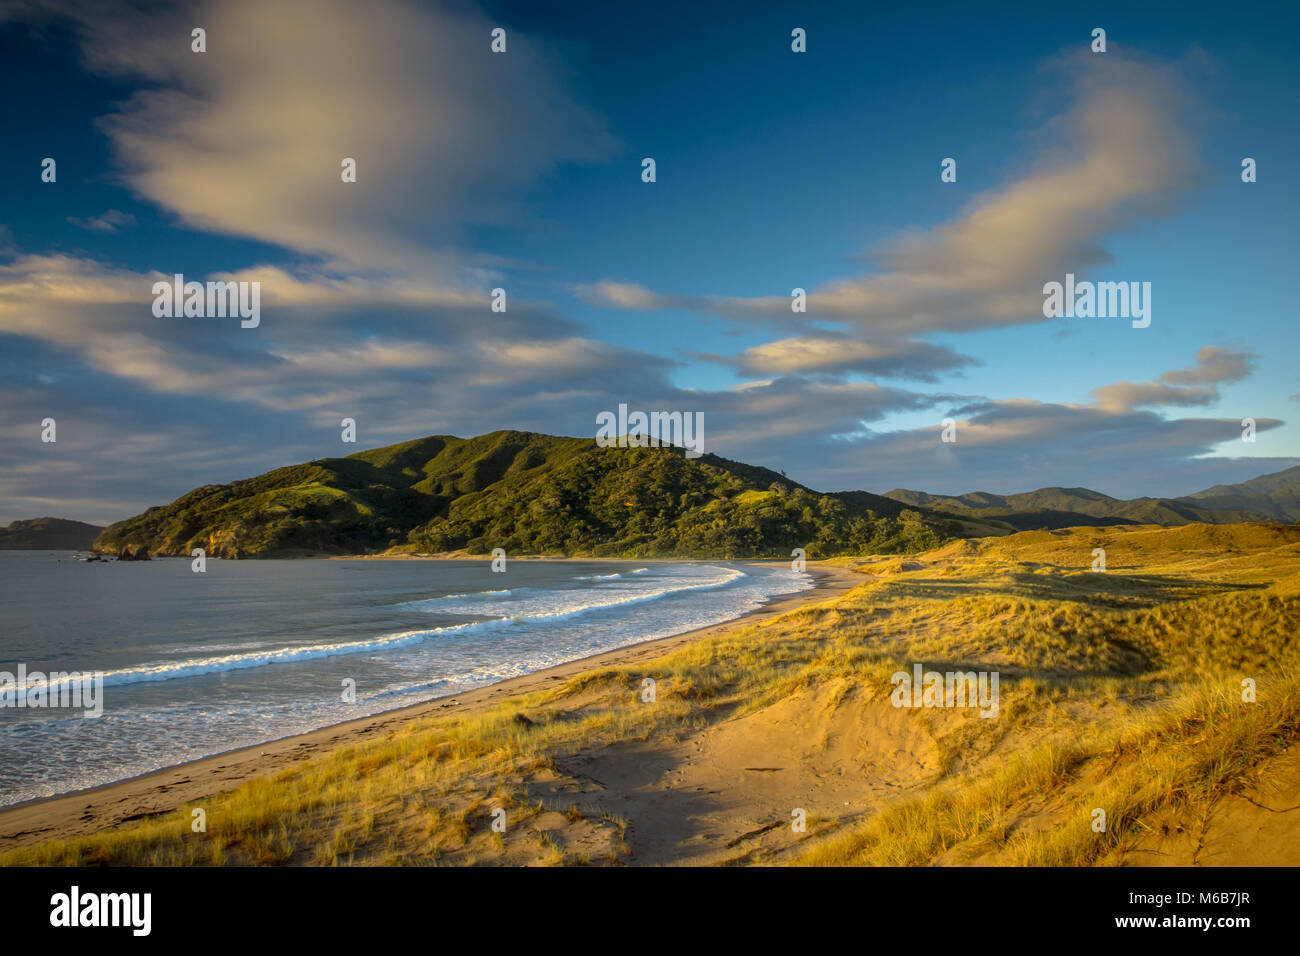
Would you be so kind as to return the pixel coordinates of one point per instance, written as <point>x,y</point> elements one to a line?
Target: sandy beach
<point>94,810</point>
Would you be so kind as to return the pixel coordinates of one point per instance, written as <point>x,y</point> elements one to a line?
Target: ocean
<point>195,664</point>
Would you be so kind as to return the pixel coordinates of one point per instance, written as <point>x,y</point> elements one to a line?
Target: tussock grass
<point>1167,642</point>
<point>1181,757</point>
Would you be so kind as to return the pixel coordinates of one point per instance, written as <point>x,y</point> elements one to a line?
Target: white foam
<point>195,667</point>
<point>537,610</point>
<point>156,725</point>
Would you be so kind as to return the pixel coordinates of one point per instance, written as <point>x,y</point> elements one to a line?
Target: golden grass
<point>1182,757</point>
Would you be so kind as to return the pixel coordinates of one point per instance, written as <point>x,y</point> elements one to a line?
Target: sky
<point>522,170</point>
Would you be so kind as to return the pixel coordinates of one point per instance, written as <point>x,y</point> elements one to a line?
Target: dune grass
<point>1179,758</point>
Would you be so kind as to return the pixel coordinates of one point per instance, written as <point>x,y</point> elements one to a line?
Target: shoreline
<point>93,809</point>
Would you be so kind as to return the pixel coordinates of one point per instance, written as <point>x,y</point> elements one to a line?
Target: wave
<point>608,577</point>
<point>173,670</point>
<point>637,597</point>
<point>466,594</point>
<point>471,595</point>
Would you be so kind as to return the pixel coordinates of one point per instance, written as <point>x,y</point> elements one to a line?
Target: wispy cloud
<point>1122,152</point>
<point>831,354</point>
<point>1195,385</point>
<point>108,221</point>
<point>248,138</point>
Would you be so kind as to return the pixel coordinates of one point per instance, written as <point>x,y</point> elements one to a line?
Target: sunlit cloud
<point>1125,154</point>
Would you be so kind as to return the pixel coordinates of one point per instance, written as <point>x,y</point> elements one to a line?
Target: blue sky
<point>522,170</point>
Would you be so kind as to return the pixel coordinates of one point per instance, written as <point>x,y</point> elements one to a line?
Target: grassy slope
<point>1119,690</point>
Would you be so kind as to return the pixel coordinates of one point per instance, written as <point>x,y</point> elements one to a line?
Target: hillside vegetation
<point>529,494</point>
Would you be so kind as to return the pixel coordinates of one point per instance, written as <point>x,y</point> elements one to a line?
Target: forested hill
<point>529,494</point>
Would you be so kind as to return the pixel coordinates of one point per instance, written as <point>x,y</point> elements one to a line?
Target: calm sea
<point>250,651</point>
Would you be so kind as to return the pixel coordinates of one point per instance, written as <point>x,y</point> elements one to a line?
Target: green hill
<point>53,534</point>
<point>530,494</point>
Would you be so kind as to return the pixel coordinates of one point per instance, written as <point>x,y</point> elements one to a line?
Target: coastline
<point>93,810</point>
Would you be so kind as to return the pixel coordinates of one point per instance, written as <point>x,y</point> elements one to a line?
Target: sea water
<point>195,664</point>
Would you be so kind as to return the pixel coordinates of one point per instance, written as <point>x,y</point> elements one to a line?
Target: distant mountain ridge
<point>48,534</point>
<point>1269,498</point>
<point>527,493</point>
